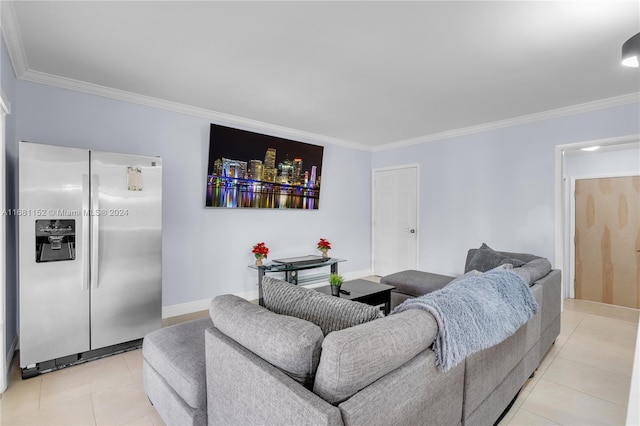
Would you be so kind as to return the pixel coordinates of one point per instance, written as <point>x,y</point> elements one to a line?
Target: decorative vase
<point>335,290</point>
<point>259,262</point>
<point>324,252</point>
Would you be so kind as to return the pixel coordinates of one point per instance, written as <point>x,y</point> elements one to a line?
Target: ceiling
<point>366,74</point>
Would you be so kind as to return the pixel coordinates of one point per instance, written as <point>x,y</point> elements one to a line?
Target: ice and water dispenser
<point>55,240</point>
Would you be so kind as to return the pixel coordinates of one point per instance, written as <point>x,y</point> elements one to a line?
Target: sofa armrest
<point>243,389</point>
<point>551,296</point>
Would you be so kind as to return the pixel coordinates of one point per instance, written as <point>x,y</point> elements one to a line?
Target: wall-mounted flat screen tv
<point>254,170</point>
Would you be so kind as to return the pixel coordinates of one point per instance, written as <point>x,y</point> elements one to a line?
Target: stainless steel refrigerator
<point>90,253</point>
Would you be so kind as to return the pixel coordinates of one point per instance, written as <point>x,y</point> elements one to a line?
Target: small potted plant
<point>324,246</point>
<point>260,251</point>
<point>336,281</point>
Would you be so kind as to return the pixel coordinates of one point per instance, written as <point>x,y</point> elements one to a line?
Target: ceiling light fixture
<point>590,148</point>
<point>631,51</point>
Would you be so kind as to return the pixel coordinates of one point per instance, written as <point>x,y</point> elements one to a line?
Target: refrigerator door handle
<point>85,233</point>
<point>95,230</point>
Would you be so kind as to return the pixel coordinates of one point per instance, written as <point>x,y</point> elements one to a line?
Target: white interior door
<point>395,212</point>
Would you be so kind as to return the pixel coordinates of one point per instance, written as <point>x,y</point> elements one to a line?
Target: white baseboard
<point>185,308</point>
<point>203,305</point>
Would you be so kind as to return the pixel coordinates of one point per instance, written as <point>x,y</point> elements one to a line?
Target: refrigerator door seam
<point>85,232</point>
<point>94,214</point>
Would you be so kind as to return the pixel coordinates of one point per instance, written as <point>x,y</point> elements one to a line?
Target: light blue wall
<point>8,83</point>
<point>496,186</point>
<point>205,251</point>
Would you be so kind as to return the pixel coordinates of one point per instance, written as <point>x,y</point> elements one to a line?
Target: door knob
<point>413,231</point>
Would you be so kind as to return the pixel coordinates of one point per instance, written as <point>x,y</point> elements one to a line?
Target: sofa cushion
<point>327,312</point>
<point>291,344</point>
<point>171,407</point>
<point>485,259</point>
<point>356,357</point>
<point>416,283</point>
<point>176,353</point>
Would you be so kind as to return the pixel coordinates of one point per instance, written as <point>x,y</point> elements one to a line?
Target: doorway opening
<point>606,226</point>
<point>587,253</point>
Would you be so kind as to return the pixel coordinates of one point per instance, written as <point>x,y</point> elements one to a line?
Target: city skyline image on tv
<point>254,170</point>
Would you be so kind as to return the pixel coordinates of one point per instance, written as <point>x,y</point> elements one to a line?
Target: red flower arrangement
<point>260,250</point>
<point>324,245</point>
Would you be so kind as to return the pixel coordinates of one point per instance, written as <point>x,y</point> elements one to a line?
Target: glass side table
<point>291,269</point>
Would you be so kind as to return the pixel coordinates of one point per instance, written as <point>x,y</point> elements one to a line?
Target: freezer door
<point>126,273</point>
<point>54,288</point>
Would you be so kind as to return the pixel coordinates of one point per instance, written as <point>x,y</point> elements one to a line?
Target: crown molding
<point>281,131</point>
<point>215,116</point>
<point>5,105</point>
<point>12,37</point>
<point>516,121</point>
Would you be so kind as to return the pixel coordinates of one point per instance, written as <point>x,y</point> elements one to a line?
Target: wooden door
<point>607,242</point>
<point>395,199</point>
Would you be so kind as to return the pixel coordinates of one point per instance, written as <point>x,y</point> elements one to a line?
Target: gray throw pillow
<point>486,259</point>
<point>330,313</point>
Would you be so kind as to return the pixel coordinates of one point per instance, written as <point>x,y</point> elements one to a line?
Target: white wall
<point>497,186</point>
<point>205,251</point>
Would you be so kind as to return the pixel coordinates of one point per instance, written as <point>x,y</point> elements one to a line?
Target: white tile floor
<point>585,377</point>
<point>583,380</point>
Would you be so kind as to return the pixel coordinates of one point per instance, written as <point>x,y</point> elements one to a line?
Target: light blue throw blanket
<point>475,313</point>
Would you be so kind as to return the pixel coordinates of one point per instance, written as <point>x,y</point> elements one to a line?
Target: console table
<point>291,270</point>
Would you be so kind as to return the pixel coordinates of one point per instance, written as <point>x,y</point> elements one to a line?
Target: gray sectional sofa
<point>266,368</point>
